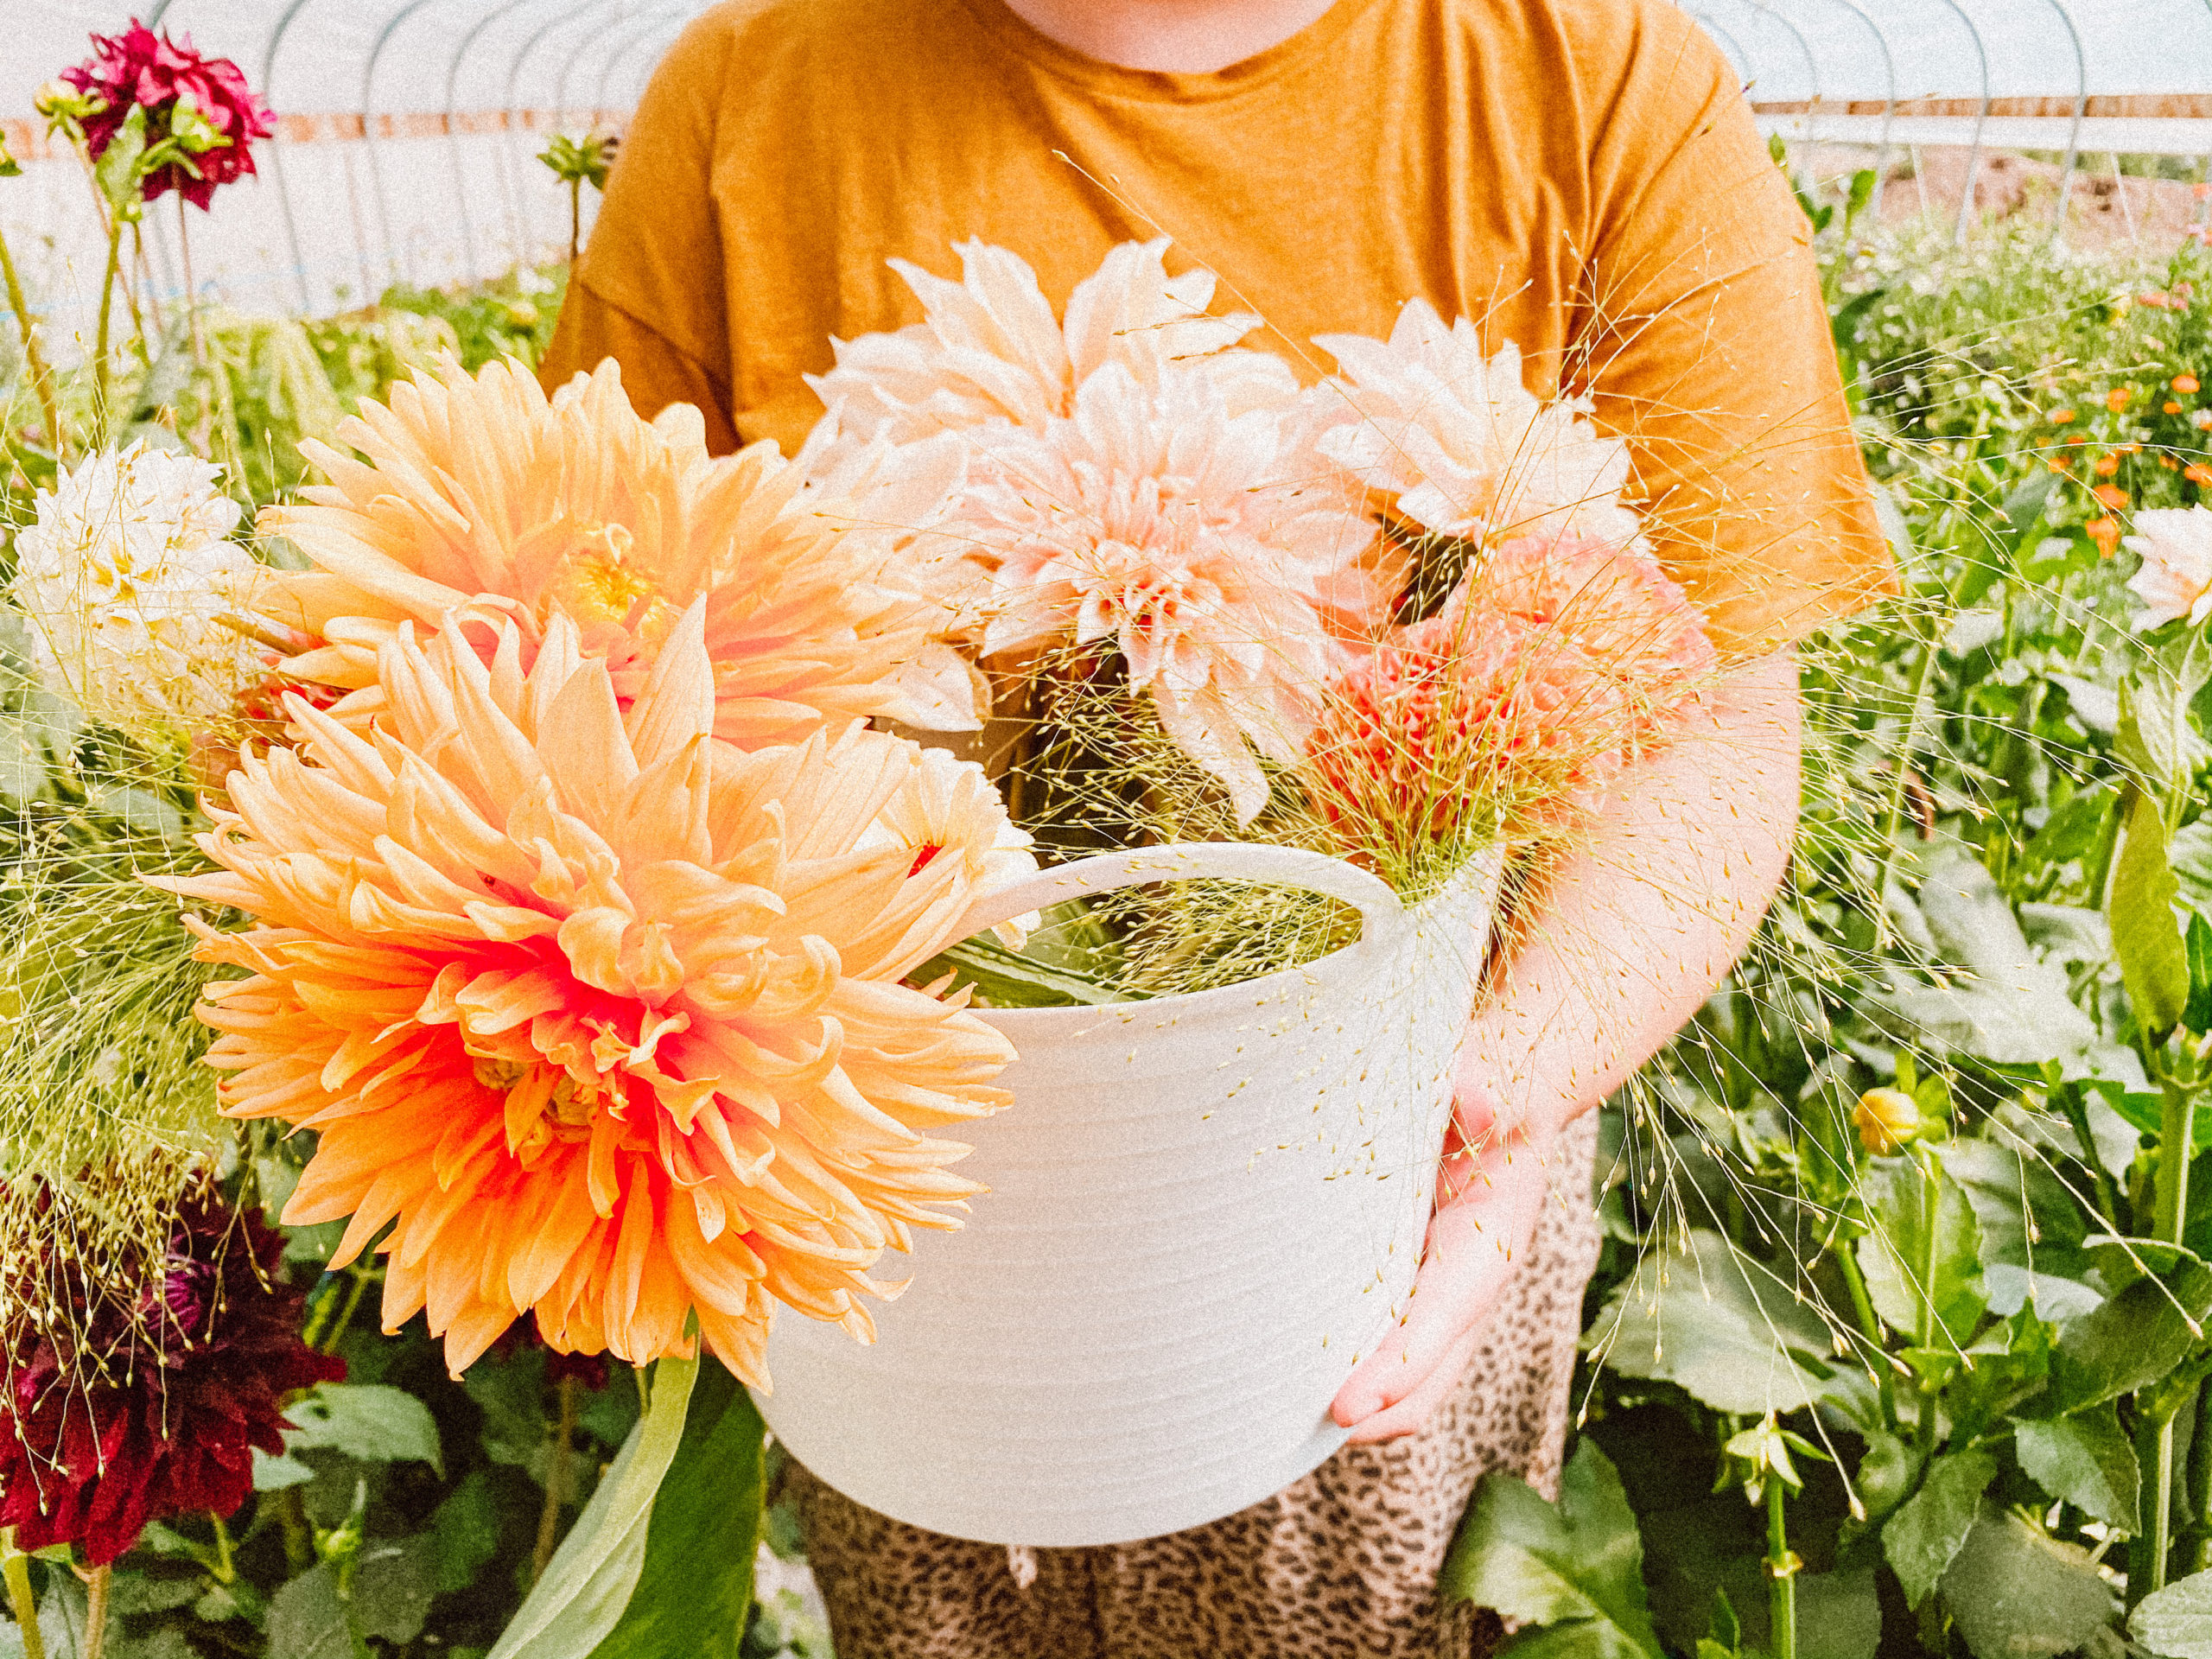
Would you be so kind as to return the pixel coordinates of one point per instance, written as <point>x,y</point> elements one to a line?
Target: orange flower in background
<point>2106,466</point>
<point>2105,532</point>
<point>486,500</point>
<point>2171,407</point>
<point>2184,384</point>
<point>2197,472</point>
<point>2117,399</point>
<point>603,1014</point>
<point>2112,496</point>
<point>2062,418</point>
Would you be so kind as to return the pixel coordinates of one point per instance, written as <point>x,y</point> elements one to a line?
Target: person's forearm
<point>1634,928</point>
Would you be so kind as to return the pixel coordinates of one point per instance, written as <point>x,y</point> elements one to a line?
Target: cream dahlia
<point>1160,520</point>
<point>1455,443</point>
<point>603,1016</point>
<point>990,349</point>
<point>2176,578</point>
<point>121,578</point>
<point>484,499</point>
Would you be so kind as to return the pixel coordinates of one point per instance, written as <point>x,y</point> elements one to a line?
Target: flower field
<point>1898,1342</point>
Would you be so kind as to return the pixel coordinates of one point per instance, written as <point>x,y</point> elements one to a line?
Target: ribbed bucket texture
<point>1203,1210</point>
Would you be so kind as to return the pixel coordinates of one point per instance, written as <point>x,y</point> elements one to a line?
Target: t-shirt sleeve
<point>649,291</point>
<point>1707,344</point>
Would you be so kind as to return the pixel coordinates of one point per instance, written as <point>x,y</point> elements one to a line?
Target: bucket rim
<point>1278,986</point>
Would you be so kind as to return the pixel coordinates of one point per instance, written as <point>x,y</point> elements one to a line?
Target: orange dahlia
<point>602,1014</point>
<point>487,500</point>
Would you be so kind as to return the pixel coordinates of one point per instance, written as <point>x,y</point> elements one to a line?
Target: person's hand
<point>1490,1191</point>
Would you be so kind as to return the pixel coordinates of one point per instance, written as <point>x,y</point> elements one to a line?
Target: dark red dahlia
<point>152,71</point>
<point>117,1412</point>
<point>588,1369</point>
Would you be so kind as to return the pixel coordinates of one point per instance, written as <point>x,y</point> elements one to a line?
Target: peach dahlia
<point>485,499</point>
<point>601,1016</point>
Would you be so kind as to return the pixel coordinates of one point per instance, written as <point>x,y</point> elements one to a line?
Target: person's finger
<point>1459,1282</point>
<point>1412,1413</point>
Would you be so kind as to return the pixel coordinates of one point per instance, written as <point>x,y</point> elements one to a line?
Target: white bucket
<point>1203,1210</point>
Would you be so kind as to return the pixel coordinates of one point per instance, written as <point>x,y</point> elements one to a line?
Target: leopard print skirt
<point>1342,1565</point>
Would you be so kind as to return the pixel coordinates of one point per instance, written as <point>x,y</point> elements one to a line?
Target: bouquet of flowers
<point>566,861</point>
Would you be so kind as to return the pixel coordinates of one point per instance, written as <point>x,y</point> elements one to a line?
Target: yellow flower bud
<point>1885,1120</point>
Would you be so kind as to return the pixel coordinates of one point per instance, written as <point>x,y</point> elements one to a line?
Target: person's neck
<point>1192,36</point>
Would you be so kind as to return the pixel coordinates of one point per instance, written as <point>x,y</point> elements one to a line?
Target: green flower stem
<point>556,1481</point>
<point>100,366</point>
<point>2176,1120</point>
<point>41,378</point>
<point>15,1568</point>
<point>2154,1450</point>
<point>96,1589</point>
<point>1862,1305</point>
<point>191,293</point>
<point>2197,1496</point>
<point>1931,1195</point>
<point>299,1535</point>
<point>225,1567</point>
<point>1782,1575</point>
<point>346,1314</point>
<point>2155,1438</point>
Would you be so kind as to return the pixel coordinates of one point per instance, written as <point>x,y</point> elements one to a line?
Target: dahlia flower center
<point>545,1106</point>
<point>601,581</point>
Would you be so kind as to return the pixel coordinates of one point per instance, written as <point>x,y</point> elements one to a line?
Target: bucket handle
<point>1235,861</point>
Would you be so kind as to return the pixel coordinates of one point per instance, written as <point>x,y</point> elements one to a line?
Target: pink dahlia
<point>139,67</point>
<point>1156,518</point>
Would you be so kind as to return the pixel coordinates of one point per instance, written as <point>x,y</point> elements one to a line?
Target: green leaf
<point>307,1617</point>
<point>696,1585</point>
<point>115,174</point>
<point>1886,1473</point>
<point>591,1575</point>
<point>2086,1460</point>
<point>2197,1016</point>
<point>1838,1615</point>
<point>2133,1340</point>
<point>1576,1563</point>
<point>274,1474</point>
<point>1718,1323</point>
<point>2153,959</point>
<point>2014,1593</point>
<point>2190,855</point>
<point>1923,1538</point>
<point>393,1585</point>
<point>2177,1621</point>
<point>372,1422</point>
<point>466,1531</point>
<point>2009,1006</point>
<point>1921,1256</point>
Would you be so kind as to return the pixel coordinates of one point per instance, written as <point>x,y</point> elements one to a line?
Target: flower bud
<point>59,101</point>
<point>1886,1120</point>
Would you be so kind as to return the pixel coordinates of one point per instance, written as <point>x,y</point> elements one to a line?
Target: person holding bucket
<point>1584,177</point>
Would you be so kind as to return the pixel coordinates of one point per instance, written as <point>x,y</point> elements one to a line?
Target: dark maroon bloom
<point>589,1370</point>
<point>115,1414</point>
<point>140,67</point>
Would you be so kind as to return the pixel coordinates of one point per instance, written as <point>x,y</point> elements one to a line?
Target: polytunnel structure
<point>407,129</point>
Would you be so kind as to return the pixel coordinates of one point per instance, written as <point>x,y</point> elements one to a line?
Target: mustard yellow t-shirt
<point>1582,176</point>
